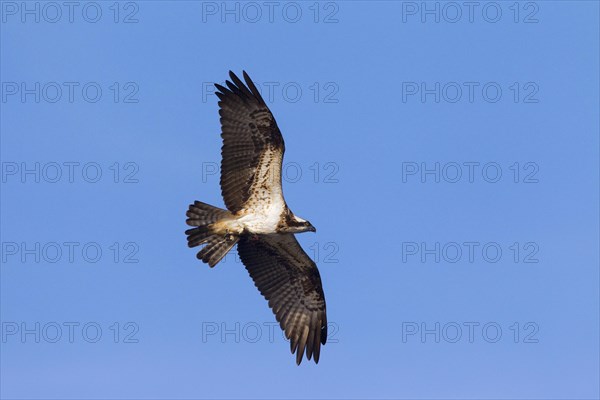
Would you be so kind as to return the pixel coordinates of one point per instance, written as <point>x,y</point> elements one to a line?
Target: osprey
<point>258,219</point>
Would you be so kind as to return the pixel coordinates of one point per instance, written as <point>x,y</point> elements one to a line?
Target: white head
<point>294,224</point>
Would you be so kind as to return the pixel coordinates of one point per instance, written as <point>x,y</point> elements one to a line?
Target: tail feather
<point>198,236</point>
<point>202,215</point>
<point>216,248</point>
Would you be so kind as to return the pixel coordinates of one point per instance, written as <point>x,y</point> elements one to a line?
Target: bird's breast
<point>263,219</point>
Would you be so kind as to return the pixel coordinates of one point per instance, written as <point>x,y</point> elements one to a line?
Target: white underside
<point>262,223</point>
<point>266,204</point>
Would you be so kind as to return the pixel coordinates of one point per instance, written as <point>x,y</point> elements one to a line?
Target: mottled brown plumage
<point>250,137</point>
<point>259,220</point>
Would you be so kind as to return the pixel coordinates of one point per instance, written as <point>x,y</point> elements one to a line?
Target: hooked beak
<point>311,228</point>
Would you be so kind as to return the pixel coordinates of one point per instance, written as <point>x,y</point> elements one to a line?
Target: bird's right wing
<point>290,281</point>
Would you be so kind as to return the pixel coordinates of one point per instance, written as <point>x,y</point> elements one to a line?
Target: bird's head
<point>294,224</point>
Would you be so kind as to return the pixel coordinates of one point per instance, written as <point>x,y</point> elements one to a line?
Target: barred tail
<point>202,216</point>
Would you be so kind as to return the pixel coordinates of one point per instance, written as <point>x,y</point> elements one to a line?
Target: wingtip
<point>221,90</point>
<point>316,353</point>
<point>248,81</point>
<point>299,356</point>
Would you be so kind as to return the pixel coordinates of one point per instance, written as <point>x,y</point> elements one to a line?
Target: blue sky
<point>447,155</point>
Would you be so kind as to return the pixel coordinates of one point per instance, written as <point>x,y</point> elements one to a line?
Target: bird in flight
<point>258,219</point>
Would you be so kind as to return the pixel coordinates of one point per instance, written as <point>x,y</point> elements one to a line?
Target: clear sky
<point>447,154</point>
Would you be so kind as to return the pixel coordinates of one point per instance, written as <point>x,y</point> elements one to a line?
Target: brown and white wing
<point>290,281</point>
<point>253,147</point>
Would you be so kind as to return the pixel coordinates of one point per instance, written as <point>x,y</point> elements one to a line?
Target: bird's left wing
<point>290,281</point>
<point>253,147</point>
